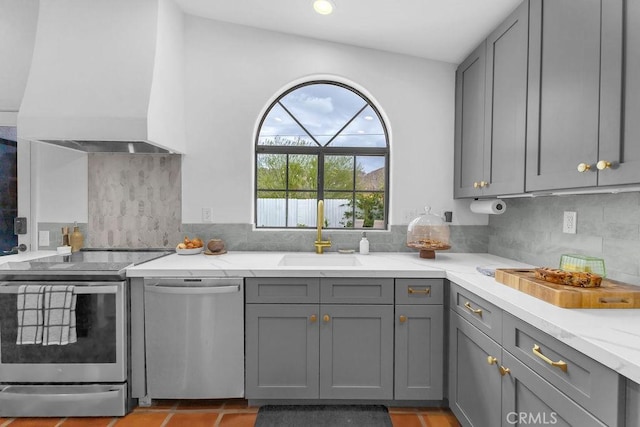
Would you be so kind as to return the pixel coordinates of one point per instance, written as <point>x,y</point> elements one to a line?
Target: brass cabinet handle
<point>603,164</point>
<point>583,167</point>
<point>326,318</point>
<point>477,311</point>
<point>476,184</point>
<point>313,318</point>
<point>559,364</point>
<point>403,319</point>
<point>491,360</point>
<point>425,291</point>
<point>504,371</point>
<point>484,184</point>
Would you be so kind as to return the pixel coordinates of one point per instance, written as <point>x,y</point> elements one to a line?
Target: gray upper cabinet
<point>623,153</point>
<point>506,105</point>
<point>574,90</point>
<point>491,101</point>
<point>469,126</point>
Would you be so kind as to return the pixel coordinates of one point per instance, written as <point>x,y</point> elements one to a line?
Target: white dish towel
<point>30,315</point>
<point>59,312</point>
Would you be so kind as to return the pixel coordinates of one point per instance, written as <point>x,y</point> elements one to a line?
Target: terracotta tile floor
<point>216,413</point>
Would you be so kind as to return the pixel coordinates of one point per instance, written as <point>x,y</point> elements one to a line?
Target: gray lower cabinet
<point>524,376</point>
<point>632,416</point>
<point>333,339</point>
<point>356,352</point>
<point>419,339</point>
<point>528,399</point>
<point>282,351</point>
<point>474,378</point>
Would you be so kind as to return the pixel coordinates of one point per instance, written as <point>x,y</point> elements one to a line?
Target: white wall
<point>17,34</point>
<point>61,191</point>
<point>233,73</point>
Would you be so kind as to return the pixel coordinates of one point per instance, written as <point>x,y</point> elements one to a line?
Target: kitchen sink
<point>313,260</point>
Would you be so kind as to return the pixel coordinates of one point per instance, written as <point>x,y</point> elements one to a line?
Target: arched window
<point>322,140</point>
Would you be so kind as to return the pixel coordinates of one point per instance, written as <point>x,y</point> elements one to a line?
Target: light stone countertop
<point>610,336</point>
<point>26,256</point>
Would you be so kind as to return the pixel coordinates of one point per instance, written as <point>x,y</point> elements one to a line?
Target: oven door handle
<point>192,290</point>
<point>6,288</point>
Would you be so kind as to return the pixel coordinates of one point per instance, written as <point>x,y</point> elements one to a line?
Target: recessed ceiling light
<point>368,117</point>
<point>323,7</point>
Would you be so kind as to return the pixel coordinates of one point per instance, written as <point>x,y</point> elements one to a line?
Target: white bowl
<point>193,251</point>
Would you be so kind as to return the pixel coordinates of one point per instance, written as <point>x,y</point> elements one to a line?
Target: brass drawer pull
<point>313,318</point>
<point>326,318</point>
<point>425,291</point>
<point>559,364</point>
<point>403,318</point>
<point>492,360</point>
<point>477,311</point>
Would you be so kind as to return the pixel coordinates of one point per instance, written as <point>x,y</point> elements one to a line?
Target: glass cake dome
<point>428,233</point>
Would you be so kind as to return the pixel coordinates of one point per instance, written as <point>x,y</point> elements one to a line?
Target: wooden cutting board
<point>610,294</point>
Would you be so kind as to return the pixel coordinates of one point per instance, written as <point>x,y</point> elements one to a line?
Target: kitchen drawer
<point>478,311</point>
<point>287,290</point>
<point>527,399</point>
<point>589,383</point>
<point>356,291</point>
<point>419,291</point>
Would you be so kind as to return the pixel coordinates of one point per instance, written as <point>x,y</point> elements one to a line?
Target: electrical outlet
<point>207,214</point>
<point>569,222</point>
<point>43,238</point>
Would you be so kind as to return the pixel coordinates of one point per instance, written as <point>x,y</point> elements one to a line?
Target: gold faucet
<point>319,243</point>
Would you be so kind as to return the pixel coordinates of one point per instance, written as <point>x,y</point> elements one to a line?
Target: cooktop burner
<point>90,264</point>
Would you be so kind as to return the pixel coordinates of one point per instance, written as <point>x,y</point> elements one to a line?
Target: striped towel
<point>59,326</point>
<point>30,320</point>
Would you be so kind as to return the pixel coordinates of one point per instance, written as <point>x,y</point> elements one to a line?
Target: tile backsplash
<point>135,201</point>
<point>608,226</point>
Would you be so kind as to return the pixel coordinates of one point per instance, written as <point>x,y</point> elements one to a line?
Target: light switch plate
<point>569,223</point>
<point>43,238</point>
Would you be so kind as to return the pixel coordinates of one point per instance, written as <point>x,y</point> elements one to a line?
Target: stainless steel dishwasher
<point>194,338</point>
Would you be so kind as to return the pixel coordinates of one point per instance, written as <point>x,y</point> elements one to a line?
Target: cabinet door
<point>506,105</point>
<point>419,352</point>
<point>469,127</point>
<point>624,152</point>
<point>474,384</point>
<point>281,351</point>
<point>527,399</point>
<point>632,417</point>
<point>563,93</point>
<point>356,359</point>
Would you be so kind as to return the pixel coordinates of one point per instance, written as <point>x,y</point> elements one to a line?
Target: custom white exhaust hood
<point>106,76</point>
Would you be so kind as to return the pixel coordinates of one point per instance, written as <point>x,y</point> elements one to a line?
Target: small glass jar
<point>428,233</point>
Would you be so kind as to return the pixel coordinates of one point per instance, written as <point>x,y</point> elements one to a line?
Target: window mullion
<point>346,124</point>
<point>299,124</point>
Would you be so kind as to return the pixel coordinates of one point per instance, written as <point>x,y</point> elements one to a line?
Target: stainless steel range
<point>64,347</point>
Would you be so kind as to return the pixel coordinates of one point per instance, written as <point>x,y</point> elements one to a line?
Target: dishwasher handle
<point>192,290</point>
